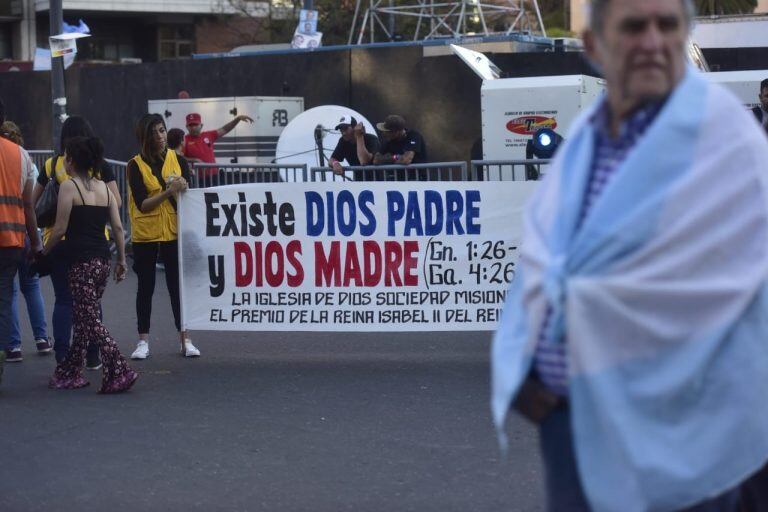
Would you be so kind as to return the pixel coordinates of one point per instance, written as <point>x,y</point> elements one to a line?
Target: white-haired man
<point>634,334</point>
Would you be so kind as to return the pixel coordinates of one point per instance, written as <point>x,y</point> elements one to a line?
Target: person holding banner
<point>85,205</point>
<point>155,178</point>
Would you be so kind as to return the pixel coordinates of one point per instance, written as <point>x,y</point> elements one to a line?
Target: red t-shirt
<point>201,147</point>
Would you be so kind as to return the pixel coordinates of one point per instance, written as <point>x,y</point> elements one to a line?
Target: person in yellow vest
<point>16,216</point>
<point>155,178</point>
<point>74,126</point>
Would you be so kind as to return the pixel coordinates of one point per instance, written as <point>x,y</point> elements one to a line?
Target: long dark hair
<point>144,129</point>
<point>86,153</point>
<point>74,126</point>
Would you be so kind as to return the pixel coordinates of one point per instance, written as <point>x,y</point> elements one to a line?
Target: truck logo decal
<point>279,117</point>
<point>528,125</point>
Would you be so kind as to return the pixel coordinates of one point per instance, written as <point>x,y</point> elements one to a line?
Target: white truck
<point>744,84</point>
<point>513,109</point>
<point>737,31</point>
<point>247,143</point>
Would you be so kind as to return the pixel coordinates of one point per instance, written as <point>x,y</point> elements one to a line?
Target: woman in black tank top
<point>85,206</point>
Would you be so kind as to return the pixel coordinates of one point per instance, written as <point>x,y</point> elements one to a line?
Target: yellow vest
<point>62,176</point>
<point>159,225</point>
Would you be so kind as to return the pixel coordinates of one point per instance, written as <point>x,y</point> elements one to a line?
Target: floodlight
<point>545,143</point>
<point>542,145</point>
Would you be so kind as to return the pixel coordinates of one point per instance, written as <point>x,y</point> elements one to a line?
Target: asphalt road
<point>265,422</point>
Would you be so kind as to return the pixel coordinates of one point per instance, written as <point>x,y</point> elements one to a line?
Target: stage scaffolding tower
<point>375,20</point>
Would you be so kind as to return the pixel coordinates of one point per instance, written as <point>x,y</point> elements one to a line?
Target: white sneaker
<point>189,349</point>
<point>142,350</point>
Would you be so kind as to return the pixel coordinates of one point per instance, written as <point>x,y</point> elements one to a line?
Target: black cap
<point>393,123</point>
<point>344,124</point>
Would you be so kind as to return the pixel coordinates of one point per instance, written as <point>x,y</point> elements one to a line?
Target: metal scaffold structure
<point>376,20</point>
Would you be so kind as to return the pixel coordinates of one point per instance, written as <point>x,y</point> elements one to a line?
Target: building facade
<point>132,30</point>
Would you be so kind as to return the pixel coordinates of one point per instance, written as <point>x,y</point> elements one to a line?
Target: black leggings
<point>144,261</point>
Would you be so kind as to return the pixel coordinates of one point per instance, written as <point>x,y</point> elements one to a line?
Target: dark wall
<point>114,97</point>
<point>27,99</point>
<point>542,64</point>
<point>736,59</point>
<point>439,96</point>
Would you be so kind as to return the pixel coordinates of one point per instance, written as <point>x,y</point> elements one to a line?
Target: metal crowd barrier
<point>39,156</point>
<point>439,171</point>
<point>212,175</point>
<point>121,178</point>
<point>508,170</point>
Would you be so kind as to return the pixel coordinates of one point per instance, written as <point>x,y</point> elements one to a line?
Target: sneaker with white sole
<point>43,346</point>
<point>13,355</point>
<point>142,350</point>
<point>189,349</point>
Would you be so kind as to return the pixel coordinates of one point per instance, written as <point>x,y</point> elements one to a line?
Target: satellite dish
<point>299,141</point>
<point>479,63</point>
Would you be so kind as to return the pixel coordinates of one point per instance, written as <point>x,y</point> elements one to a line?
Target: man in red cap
<point>198,145</point>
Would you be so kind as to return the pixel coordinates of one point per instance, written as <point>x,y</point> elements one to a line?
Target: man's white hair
<point>599,7</point>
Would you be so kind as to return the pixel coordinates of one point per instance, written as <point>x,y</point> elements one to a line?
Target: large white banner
<point>392,256</point>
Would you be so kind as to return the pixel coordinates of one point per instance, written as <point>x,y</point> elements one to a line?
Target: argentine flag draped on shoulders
<point>663,299</point>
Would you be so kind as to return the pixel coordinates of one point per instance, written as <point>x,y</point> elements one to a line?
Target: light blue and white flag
<point>663,297</point>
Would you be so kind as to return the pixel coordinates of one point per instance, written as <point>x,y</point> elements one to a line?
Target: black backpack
<point>45,207</point>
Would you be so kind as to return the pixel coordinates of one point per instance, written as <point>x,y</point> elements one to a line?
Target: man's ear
<point>590,50</point>
<point>590,45</point>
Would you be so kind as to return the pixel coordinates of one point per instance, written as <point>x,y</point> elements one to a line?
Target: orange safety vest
<point>12,222</point>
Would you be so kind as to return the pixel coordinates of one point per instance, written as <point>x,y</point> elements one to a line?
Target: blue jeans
<point>563,486</point>
<point>30,287</point>
<point>62,307</point>
<point>9,265</point>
